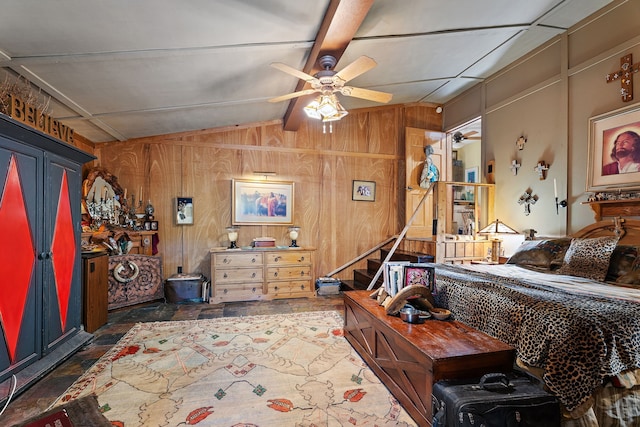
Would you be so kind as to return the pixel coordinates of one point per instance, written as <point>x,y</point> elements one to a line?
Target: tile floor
<point>37,398</point>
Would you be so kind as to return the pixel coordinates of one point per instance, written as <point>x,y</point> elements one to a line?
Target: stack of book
<point>264,242</point>
<point>399,274</point>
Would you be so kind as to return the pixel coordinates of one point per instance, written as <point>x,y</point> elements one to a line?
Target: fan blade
<point>371,95</point>
<point>293,95</point>
<point>290,70</point>
<point>357,67</point>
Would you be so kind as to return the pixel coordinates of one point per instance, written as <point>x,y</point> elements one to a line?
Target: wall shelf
<point>613,208</point>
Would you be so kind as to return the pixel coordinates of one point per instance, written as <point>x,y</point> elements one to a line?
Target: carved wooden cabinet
<point>257,274</point>
<point>134,279</point>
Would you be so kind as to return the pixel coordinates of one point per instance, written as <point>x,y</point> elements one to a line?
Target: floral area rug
<point>275,370</point>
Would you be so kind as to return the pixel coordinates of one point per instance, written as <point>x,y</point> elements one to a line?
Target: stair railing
<point>380,245</point>
<point>362,256</point>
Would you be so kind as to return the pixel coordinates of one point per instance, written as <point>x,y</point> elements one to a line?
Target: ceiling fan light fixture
<point>327,106</point>
<point>311,110</point>
<point>340,113</point>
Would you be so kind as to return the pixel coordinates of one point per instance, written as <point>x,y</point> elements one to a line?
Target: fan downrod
<point>327,62</point>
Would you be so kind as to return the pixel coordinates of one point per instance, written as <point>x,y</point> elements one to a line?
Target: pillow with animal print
<point>633,276</point>
<point>589,257</point>
<point>543,254</point>
<point>622,261</point>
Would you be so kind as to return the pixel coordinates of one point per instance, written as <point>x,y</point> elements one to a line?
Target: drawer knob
<point>253,260</point>
<point>275,274</point>
<point>276,259</point>
<point>301,259</point>
<point>225,291</point>
<point>276,288</point>
<point>302,273</point>
<point>253,275</point>
<point>224,275</point>
<point>302,287</point>
<point>226,261</point>
<point>253,290</point>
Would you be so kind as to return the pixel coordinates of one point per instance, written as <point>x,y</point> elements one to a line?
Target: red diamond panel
<point>17,255</point>
<point>63,250</point>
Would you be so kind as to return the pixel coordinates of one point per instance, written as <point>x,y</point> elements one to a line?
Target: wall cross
<point>514,166</point>
<point>541,168</point>
<point>625,74</point>
<point>527,199</point>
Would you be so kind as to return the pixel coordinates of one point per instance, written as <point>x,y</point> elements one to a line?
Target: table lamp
<point>495,230</point>
<point>293,234</point>
<point>232,233</point>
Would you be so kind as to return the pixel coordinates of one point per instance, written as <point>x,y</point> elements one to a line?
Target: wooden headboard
<point>627,229</point>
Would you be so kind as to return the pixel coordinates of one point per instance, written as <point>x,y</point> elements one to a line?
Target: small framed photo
<point>154,225</point>
<point>364,191</point>
<point>184,211</point>
<point>472,174</point>
<point>147,225</point>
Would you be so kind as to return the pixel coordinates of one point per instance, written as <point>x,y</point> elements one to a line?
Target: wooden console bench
<point>409,358</point>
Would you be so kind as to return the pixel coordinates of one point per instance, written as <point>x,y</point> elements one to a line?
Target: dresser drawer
<point>291,289</point>
<point>237,292</point>
<point>302,272</point>
<point>233,275</point>
<point>238,259</point>
<point>289,257</point>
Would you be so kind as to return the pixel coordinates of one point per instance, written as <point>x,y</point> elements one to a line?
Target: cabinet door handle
<point>44,255</point>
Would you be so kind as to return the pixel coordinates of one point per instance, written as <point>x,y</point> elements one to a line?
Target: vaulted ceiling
<point>122,69</point>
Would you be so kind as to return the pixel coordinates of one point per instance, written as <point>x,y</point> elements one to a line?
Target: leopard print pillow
<point>589,257</point>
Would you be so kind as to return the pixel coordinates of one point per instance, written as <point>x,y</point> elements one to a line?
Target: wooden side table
<point>95,289</point>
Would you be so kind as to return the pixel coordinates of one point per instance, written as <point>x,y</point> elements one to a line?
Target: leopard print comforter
<point>578,340</point>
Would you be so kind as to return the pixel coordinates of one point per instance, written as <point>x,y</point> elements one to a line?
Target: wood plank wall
<point>366,145</point>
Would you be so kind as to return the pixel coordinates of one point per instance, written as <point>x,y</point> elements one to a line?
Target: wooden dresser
<point>257,274</point>
<point>409,358</point>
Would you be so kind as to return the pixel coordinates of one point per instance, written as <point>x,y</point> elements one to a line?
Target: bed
<point>571,308</point>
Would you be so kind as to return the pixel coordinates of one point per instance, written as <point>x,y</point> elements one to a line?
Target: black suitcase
<point>496,400</point>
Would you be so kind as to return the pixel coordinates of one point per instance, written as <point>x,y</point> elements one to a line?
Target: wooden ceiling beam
<point>338,27</point>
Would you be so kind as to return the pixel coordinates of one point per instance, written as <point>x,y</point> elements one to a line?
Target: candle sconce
<point>562,203</point>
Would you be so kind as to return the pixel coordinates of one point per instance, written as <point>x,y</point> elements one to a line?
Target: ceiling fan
<point>458,137</point>
<point>327,81</point>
